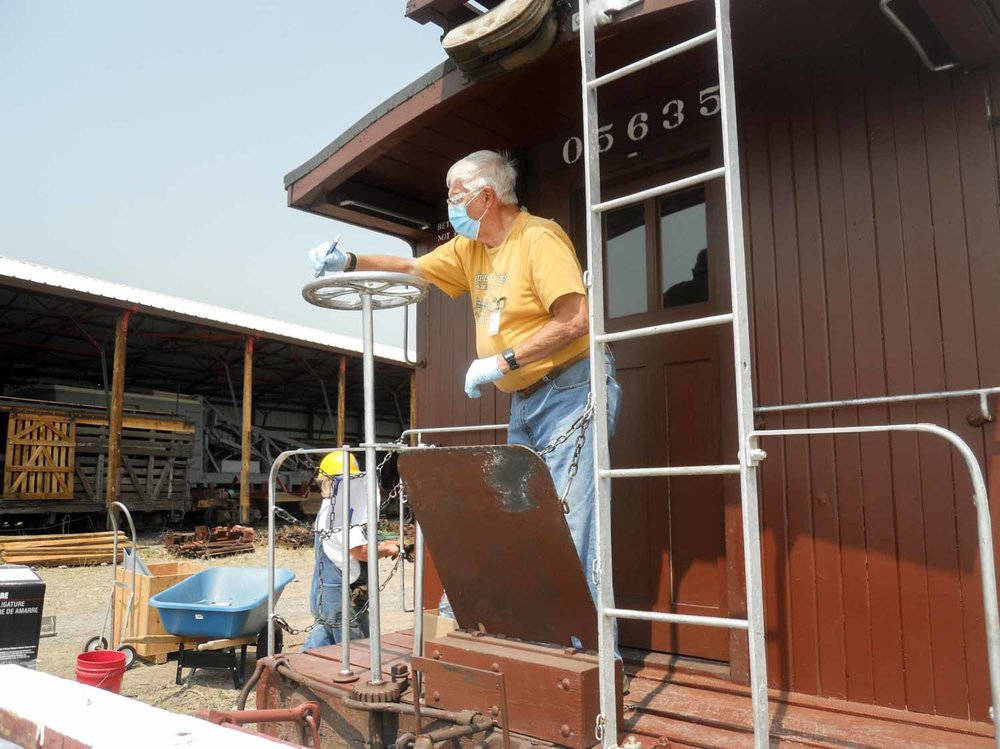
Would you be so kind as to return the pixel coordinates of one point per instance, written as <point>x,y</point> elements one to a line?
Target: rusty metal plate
<point>500,541</point>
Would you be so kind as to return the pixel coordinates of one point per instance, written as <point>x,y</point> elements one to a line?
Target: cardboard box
<point>22,596</point>
<point>145,620</point>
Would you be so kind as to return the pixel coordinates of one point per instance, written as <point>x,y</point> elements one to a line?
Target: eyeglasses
<point>463,197</point>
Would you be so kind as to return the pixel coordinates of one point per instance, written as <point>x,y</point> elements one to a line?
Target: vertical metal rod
<point>402,557</point>
<point>402,496</point>
<point>371,461</point>
<point>418,592</point>
<point>345,565</point>
<point>744,381</point>
<point>271,507</point>
<point>418,581</point>
<point>598,381</point>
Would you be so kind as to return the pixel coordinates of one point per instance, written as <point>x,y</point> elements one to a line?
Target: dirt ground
<point>78,597</point>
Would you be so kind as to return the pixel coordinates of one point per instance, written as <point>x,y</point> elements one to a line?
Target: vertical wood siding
<point>875,263</point>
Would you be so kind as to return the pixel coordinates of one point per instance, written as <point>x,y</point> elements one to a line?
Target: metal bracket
<point>604,11</point>
<point>588,279</point>
<point>595,572</point>
<point>752,456</point>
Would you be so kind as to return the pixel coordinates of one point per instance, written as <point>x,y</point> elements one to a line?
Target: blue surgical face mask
<point>462,223</point>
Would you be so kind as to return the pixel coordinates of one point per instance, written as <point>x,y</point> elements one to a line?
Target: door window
<point>625,257</point>
<point>683,249</point>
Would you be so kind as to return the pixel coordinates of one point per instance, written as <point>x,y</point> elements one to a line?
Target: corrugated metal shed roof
<point>22,273</point>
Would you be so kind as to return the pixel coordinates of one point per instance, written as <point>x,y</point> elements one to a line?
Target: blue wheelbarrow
<point>224,608</point>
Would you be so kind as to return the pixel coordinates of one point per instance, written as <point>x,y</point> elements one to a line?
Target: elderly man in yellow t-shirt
<point>530,306</point>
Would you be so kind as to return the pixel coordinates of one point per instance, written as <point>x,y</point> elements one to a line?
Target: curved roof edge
<point>151,302</point>
<point>429,78</point>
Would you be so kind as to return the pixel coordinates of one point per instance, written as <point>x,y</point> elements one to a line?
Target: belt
<point>554,372</point>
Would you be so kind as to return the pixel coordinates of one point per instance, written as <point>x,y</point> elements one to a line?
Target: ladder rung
<point>638,197</point>
<point>670,327</point>
<point>653,59</point>
<point>632,473</point>
<point>658,616</point>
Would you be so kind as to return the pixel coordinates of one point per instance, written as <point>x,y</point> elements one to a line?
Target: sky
<point>146,142</point>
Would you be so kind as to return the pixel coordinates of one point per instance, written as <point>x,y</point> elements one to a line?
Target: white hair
<point>486,169</point>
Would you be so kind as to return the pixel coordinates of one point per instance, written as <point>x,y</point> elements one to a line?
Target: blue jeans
<point>324,601</point>
<point>535,422</point>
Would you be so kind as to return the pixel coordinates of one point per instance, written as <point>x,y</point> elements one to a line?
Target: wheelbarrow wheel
<point>96,643</point>
<point>279,642</point>
<point>130,655</point>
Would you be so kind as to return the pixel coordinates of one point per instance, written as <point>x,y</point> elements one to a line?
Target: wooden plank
<point>117,405</point>
<point>813,114</point>
<point>916,483</point>
<point>866,512</point>
<point>140,422</point>
<point>247,430</point>
<point>982,229</point>
<point>960,372</point>
<point>763,282</point>
<point>805,627</point>
<point>884,585</point>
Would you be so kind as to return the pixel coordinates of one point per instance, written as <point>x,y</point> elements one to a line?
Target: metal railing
<point>981,393</point>
<point>984,529</point>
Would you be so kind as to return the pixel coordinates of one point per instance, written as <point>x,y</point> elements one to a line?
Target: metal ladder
<point>593,12</point>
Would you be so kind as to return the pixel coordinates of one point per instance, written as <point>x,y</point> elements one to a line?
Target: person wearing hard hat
<point>328,575</point>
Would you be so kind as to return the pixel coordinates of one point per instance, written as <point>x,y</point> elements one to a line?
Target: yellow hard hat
<point>333,464</point>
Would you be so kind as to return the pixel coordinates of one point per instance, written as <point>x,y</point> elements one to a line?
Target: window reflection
<point>625,233</point>
<point>684,249</point>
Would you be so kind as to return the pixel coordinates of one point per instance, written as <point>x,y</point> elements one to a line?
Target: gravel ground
<point>78,597</point>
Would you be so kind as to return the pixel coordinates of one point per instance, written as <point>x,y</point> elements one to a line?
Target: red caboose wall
<point>873,235</point>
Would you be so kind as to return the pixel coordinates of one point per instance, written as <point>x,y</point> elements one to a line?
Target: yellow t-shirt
<point>521,278</point>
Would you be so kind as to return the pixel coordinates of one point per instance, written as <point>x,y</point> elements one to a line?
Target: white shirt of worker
<point>333,544</point>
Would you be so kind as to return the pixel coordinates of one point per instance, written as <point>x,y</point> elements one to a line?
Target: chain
<point>581,423</point>
<point>326,533</point>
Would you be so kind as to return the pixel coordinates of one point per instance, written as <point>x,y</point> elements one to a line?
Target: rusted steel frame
<point>305,716</point>
<point>247,430</point>
<point>445,734</point>
<point>341,399</point>
<point>281,667</point>
<point>251,683</point>
<point>115,417</point>
<point>473,678</point>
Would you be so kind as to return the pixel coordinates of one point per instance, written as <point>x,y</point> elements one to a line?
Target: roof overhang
<point>387,172</point>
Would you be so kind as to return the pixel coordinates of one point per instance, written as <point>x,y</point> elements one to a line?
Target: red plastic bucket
<point>101,668</point>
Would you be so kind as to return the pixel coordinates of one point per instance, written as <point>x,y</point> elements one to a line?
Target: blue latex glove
<point>481,371</point>
<point>326,257</point>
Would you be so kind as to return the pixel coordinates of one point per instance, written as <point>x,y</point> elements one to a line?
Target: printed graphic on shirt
<point>489,296</point>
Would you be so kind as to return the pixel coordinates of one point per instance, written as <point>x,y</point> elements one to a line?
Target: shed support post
<point>116,416</point>
<point>247,430</point>
<point>341,399</point>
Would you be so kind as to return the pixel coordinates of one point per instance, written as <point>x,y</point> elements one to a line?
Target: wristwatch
<point>508,355</point>
<point>352,262</point>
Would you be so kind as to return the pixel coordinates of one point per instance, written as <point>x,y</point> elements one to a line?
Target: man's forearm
<point>389,263</point>
<point>569,321</point>
<point>553,336</point>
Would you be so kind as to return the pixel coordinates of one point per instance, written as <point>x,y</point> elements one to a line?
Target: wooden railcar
<point>871,188</point>
<point>55,460</point>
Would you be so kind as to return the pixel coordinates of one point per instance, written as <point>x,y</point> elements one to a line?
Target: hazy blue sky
<point>146,142</point>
